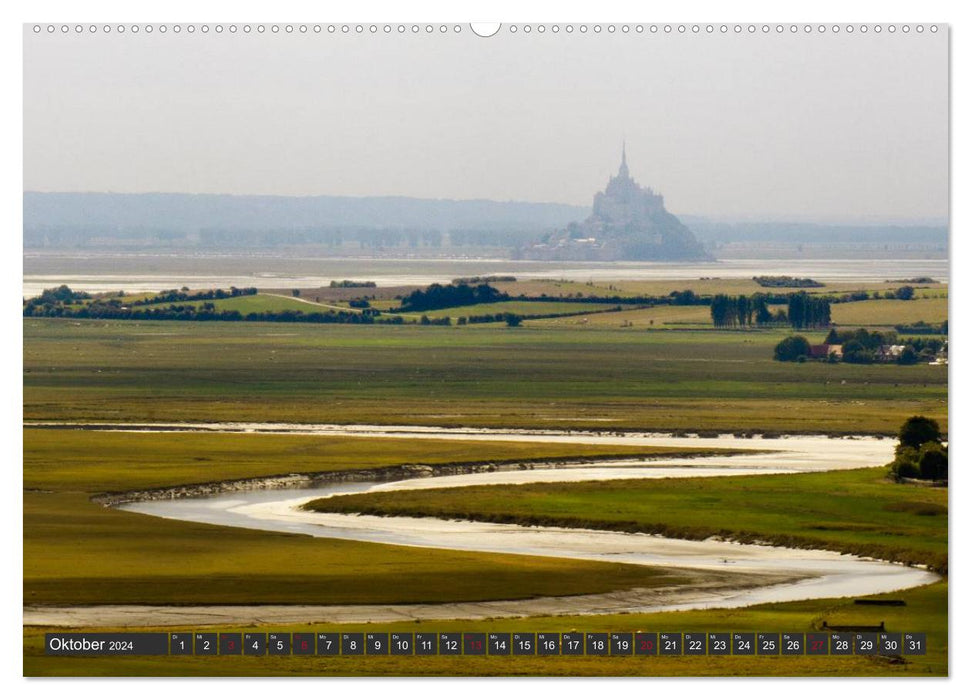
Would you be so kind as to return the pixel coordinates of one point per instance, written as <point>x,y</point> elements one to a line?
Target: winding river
<point>774,574</point>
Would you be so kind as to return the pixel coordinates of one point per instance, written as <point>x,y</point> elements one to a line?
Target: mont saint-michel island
<point>629,222</point>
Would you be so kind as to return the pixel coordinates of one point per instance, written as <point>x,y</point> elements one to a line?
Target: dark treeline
<point>462,293</point>
<point>481,318</point>
<point>345,284</point>
<point>495,318</point>
<point>679,298</point>
<point>786,281</point>
<point>58,295</point>
<point>871,340</point>
<point>486,279</point>
<point>204,312</point>
<point>923,328</point>
<point>62,302</point>
<point>439,296</point>
<point>731,311</point>
<point>685,297</point>
<point>443,321</point>
<point>173,295</point>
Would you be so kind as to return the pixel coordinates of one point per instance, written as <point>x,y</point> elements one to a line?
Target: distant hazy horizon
<point>686,216</point>
<point>749,127</point>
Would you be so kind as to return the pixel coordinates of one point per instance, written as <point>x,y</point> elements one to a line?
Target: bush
<point>904,464</point>
<point>904,469</point>
<point>919,453</point>
<point>933,461</point>
<point>791,349</point>
<point>908,356</point>
<point>855,353</point>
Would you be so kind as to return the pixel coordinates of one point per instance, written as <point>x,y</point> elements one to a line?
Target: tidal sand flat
<point>782,574</point>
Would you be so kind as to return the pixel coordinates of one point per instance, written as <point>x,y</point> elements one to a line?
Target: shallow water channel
<point>814,573</point>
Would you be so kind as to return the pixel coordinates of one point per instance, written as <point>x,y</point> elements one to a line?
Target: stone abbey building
<point>629,222</point>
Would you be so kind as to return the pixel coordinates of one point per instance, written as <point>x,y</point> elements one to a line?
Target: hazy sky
<point>824,127</point>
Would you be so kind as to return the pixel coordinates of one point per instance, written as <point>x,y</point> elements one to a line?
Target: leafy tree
<point>685,298</point>
<point>918,430</point>
<point>763,316</point>
<point>62,294</point>
<point>729,312</point>
<point>513,320</point>
<point>722,311</point>
<point>807,311</point>
<point>791,349</point>
<point>905,293</point>
<point>932,461</point>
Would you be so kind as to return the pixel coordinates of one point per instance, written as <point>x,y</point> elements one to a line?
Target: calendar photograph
<point>458,350</point>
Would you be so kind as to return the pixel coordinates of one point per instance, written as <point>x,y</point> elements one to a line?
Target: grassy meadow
<point>856,511</point>
<point>537,377</point>
<point>709,285</point>
<point>251,303</point>
<point>519,307</point>
<point>890,312</point>
<point>922,612</point>
<point>106,462</point>
<point>929,303</point>
<point>77,552</point>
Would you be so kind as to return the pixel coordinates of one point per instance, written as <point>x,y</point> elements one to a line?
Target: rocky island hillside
<point>629,222</point>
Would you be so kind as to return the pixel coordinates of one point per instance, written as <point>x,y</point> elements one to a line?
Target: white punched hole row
<point>484,30</point>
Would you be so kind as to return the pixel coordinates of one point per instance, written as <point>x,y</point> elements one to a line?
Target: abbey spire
<point>623,172</point>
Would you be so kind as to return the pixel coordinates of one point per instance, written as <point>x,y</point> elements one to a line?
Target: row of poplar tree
<point>803,311</point>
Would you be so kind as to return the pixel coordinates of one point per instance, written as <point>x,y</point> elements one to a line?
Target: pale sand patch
<point>790,452</point>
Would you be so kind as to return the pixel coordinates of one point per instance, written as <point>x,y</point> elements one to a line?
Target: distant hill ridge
<point>194,212</point>
<point>104,220</point>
